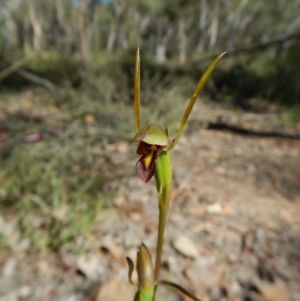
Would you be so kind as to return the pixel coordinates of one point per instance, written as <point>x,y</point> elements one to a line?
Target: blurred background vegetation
<point>66,76</point>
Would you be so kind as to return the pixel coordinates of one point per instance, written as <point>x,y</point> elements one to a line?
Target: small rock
<point>176,217</point>
<point>89,119</point>
<point>203,271</point>
<point>274,292</point>
<point>116,290</point>
<point>220,170</point>
<point>260,235</point>
<point>122,147</point>
<point>3,193</point>
<point>72,298</point>
<point>118,158</point>
<point>214,208</point>
<point>130,240</point>
<point>232,257</point>
<point>9,267</point>
<point>135,216</point>
<point>90,266</point>
<point>203,227</point>
<point>24,291</point>
<point>7,227</point>
<point>119,201</point>
<point>116,252</point>
<point>43,267</point>
<point>23,245</point>
<point>236,288</point>
<point>251,168</point>
<point>283,270</point>
<point>150,227</point>
<point>9,297</point>
<point>68,259</point>
<point>185,246</point>
<point>171,265</point>
<point>198,211</point>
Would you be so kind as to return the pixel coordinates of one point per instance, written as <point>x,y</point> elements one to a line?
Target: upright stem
<point>160,241</point>
<point>163,178</point>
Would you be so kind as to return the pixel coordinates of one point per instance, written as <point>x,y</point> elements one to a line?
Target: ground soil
<point>233,228</point>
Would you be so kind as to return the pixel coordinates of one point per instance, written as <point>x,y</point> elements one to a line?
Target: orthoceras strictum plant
<point>154,147</point>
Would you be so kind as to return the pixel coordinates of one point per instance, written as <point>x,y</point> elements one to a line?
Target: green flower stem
<point>163,178</point>
<point>160,240</point>
<point>145,295</point>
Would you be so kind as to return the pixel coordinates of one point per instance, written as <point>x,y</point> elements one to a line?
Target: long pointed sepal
<point>194,97</point>
<point>137,90</point>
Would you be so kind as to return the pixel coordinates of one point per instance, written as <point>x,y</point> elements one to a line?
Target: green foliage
<point>285,77</point>
<point>55,187</point>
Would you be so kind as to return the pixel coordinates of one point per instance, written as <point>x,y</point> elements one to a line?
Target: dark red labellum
<point>146,165</point>
<point>144,173</point>
<point>143,148</point>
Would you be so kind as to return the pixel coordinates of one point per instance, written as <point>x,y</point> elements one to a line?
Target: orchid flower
<point>154,147</point>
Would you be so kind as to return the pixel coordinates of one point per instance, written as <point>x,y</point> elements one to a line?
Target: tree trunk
<point>160,53</point>
<point>214,28</point>
<point>36,26</point>
<point>84,47</point>
<point>111,38</point>
<point>182,41</point>
<point>202,25</point>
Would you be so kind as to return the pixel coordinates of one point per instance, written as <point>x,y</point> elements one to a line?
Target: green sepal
<point>194,97</point>
<point>137,90</point>
<point>152,134</point>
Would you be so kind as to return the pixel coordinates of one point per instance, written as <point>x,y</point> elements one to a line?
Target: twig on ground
<point>16,67</point>
<point>221,126</point>
<point>37,79</point>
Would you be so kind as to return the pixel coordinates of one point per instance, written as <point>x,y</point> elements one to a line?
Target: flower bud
<point>145,268</point>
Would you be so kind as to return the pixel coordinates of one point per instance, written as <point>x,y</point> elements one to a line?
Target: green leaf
<point>179,288</point>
